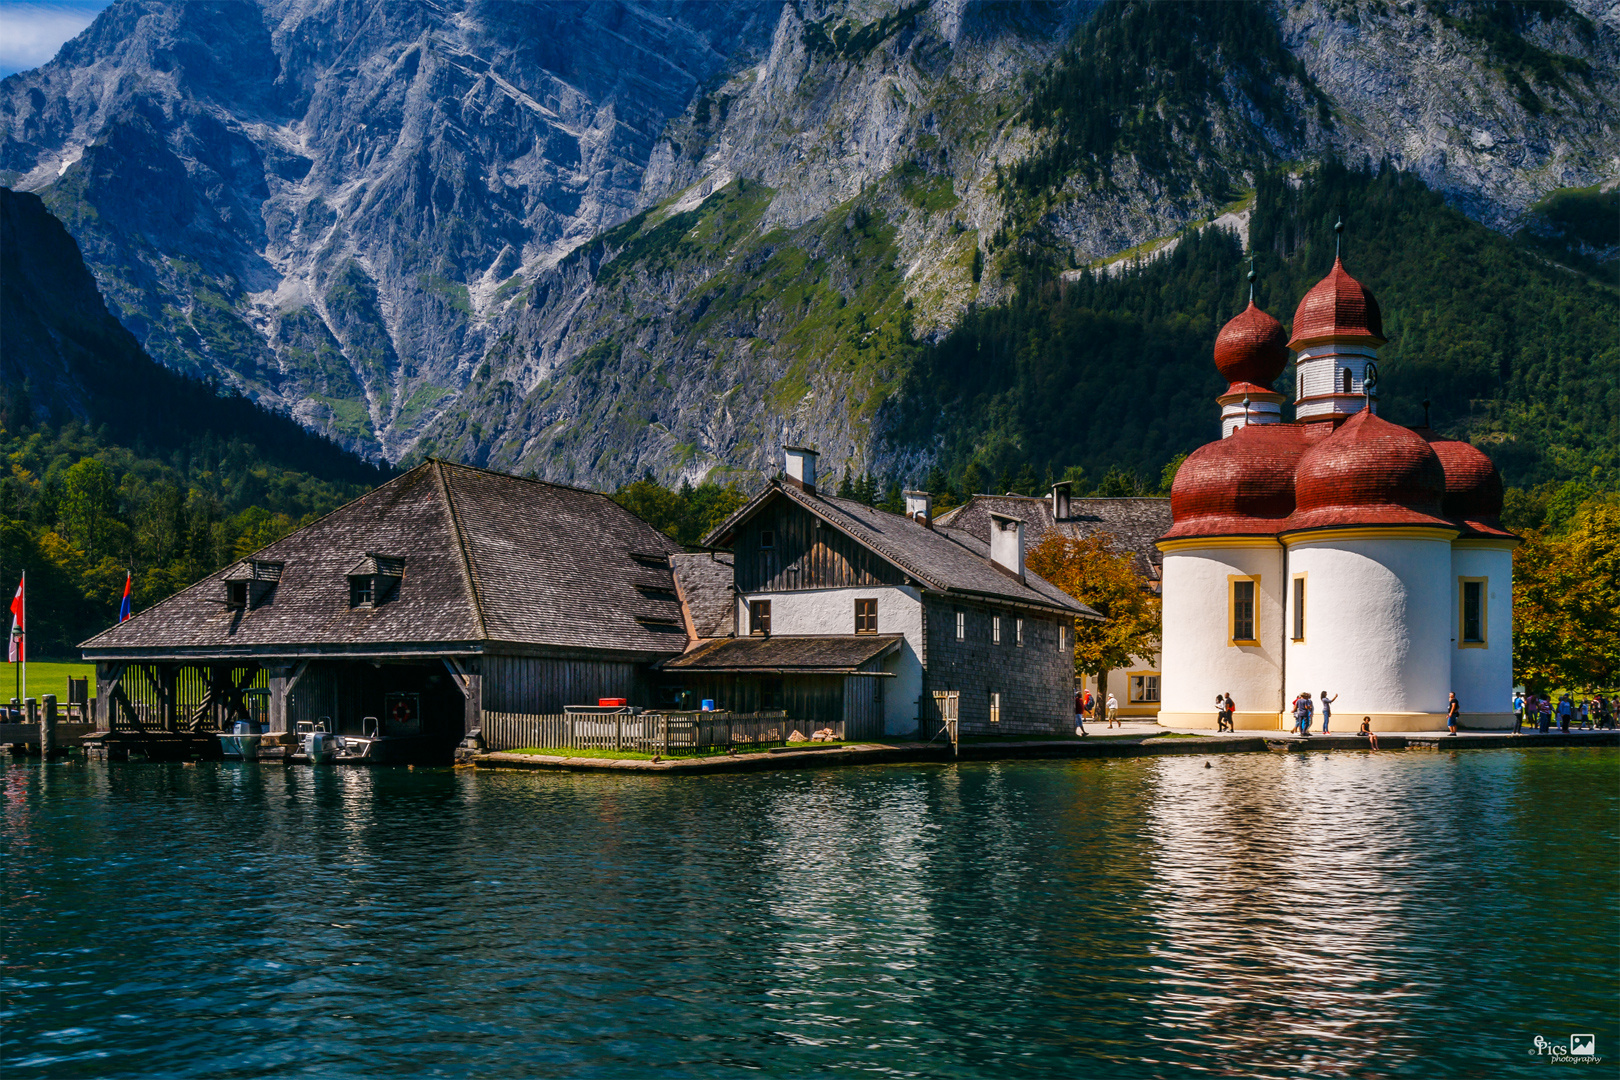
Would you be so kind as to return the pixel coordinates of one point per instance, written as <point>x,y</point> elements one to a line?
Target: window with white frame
<point>1145,687</point>
<point>995,629</point>
<point>961,626</point>
<point>1018,632</point>
<point>995,707</point>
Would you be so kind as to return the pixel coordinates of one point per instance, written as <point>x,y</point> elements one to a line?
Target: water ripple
<point>1341,915</point>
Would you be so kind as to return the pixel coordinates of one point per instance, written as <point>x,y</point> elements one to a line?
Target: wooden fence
<point>650,733</point>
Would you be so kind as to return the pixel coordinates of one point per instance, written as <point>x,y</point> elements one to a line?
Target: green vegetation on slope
<point>1518,356</point>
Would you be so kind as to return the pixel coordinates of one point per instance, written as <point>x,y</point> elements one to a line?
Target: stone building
<point>886,620</point>
<point>1134,524</point>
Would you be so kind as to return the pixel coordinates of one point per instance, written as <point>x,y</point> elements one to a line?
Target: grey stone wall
<point>1036,682</point>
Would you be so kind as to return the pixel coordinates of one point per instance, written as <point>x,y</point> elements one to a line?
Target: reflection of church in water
<point>1339,552</point>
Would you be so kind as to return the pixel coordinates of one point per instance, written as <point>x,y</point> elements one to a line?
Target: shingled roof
<point>487,558</point>
<point>1134,523</point>
<point>941,559</point>
<point>708,592</point>
<point>807,654</point>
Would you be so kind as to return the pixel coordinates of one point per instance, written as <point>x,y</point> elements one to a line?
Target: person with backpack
<point>1231,712</point>
<point>1079,713</point>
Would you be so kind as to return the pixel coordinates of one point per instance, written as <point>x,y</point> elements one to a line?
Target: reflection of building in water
<point>1339,552</point>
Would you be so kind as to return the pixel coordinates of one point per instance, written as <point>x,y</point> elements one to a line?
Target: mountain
<point>116,464</point>
<point>593,241</point>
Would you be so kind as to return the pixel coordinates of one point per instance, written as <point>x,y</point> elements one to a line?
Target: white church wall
<point>1483,677</point>
<point>1199,660</point>
<point>1379,629</point>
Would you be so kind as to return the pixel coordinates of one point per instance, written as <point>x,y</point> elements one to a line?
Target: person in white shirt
<point>1113,711</point>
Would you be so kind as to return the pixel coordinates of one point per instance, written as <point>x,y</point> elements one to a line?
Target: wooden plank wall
<point>863,706</point>
<point>548,685</point>
<point>804,556</point>
<point>647,733</point>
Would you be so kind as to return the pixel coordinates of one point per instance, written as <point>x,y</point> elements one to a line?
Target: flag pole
<point>22,646</point>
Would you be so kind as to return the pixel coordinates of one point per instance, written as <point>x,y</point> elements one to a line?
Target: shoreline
<point>1148,745</point>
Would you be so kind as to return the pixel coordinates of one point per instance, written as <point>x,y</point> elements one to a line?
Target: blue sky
<point>32,30</point>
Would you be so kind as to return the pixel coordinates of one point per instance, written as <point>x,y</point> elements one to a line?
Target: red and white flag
<point>15,654</point>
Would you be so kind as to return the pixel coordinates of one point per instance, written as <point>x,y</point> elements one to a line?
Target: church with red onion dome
<point>1338,552</point>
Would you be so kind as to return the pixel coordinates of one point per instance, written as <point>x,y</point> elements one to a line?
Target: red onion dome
<point>1337,308</point>
<point>1251,348</point>
<point>1242,485</point>
<point>1369,472</point>
<point>1473,486</point>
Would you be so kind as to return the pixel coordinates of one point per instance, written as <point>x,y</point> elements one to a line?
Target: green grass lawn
<point>45,677</point>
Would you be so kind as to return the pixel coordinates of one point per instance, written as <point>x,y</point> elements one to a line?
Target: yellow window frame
<point>1484,641</point>
<point>1231,609</point>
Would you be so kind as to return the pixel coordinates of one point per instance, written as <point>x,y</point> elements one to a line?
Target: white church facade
<point>1339,552</point>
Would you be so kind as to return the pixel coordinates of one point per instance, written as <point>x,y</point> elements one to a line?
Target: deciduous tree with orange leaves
<point>1105,580</point>
<point>1566,603</point>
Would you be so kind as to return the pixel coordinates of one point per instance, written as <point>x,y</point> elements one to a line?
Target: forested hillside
<point>1516,353</point>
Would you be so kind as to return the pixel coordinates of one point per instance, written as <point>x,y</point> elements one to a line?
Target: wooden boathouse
<point>447,594</point>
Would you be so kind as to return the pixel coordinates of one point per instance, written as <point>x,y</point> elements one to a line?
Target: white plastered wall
<point>1378,630</point>
<point>832,611</point>
<point>1119,684</point>
<point>1198,658</point>
<point>1483,678</point>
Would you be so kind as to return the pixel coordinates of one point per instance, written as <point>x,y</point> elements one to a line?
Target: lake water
<point>1344,914</point>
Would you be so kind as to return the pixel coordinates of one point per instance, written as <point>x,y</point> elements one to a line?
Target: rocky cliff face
<point>595,240</point>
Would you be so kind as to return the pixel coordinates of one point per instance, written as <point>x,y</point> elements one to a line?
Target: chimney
<point>801,467</point>
<point>920,508</point>
<point>1060,500</point>
<point>1007,544</point>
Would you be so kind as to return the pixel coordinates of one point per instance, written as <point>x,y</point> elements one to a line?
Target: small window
<point>362,591</point>
<point>1471,600</point>
<point>236,594</point>
<point>866,616</point>
<point>1345,380</point>
<point>995,708</point>
<point>1299,607</point>
<point>1018,632</point>
<point>1145,688</point>
<point>1242,611</point>
<point>1063,639</point>
<point>961,626</point>
<point>995,629</point>
<point>767,538</point>
<point>759,617</point>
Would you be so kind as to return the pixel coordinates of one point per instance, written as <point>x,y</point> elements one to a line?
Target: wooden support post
<point>47,727</point>
<point>31,710</point>
<point>107,678</point>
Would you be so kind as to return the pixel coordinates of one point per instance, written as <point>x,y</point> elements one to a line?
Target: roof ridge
<point>469,575</point>
<point>516,476</point>
<point>869,540</point>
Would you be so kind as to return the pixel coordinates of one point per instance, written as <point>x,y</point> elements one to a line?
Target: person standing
<point>1565,707</point>
<point>1113,711</point>
<point>1086,709</point>
<point>1518,712</point>
<point>1546,713</point>
<point>1298,714</point>
<point>1310,714</point>
<point>1079,713</point>
<point>1327,710</point>
<point>1453,711</point>
<point>1231,712</point>
<point>1220,713</point>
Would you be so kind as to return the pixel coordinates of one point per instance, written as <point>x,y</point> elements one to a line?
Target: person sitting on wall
<point>1366,732</point>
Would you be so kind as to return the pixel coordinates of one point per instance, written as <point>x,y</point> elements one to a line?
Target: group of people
<point>1094,709</point>
<point>1539,710</point>
<point>1304,709</point>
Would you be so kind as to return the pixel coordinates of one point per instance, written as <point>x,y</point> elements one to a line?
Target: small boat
<point>316,742</point>
<point>243,740</point>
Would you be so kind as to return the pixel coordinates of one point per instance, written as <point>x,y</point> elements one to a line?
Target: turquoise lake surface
<point>1331,914</point>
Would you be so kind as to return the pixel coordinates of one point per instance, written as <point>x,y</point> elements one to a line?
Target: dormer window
<point>374,579</point>
<point>249,584</point>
